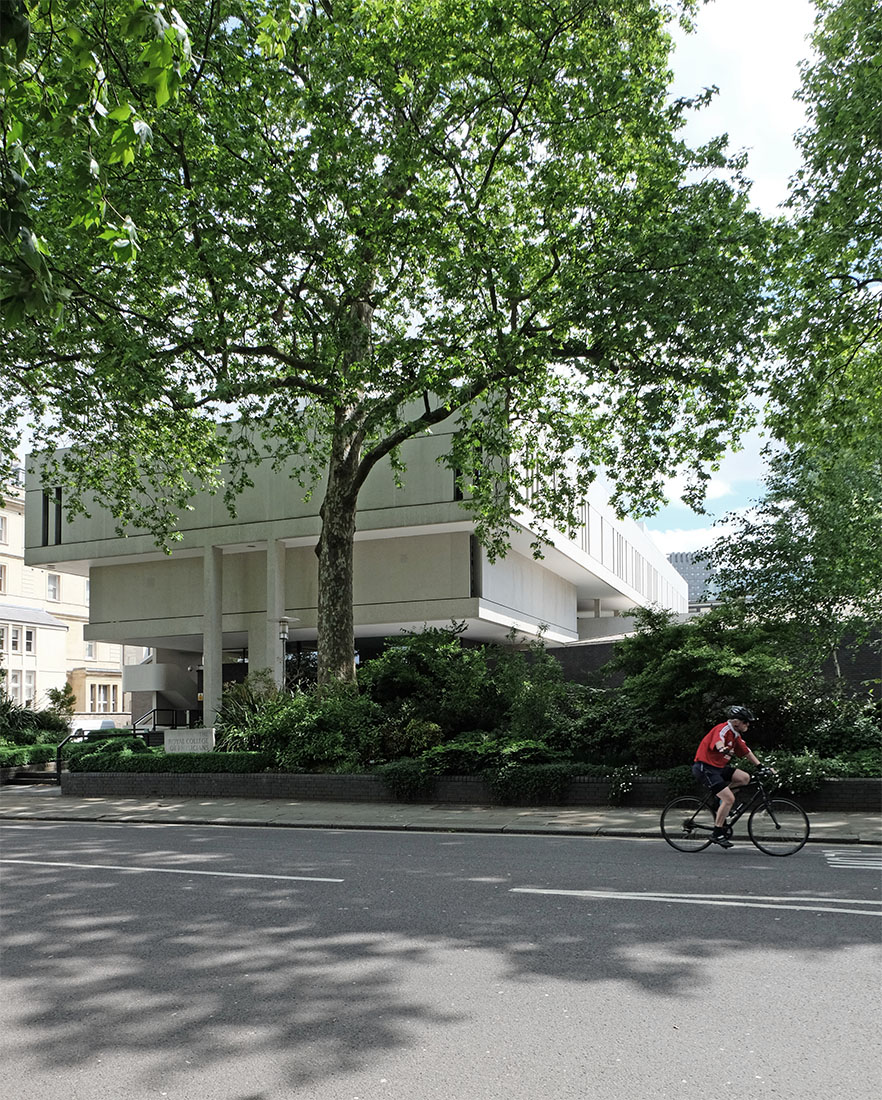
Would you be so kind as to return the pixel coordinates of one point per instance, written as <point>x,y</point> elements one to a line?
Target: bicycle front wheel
<point>779,828</point>
<point>687,824</point>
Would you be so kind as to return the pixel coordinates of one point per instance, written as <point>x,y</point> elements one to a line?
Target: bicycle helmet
<point>742,713</point>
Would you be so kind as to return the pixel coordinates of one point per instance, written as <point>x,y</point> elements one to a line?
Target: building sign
<point>189,740</point>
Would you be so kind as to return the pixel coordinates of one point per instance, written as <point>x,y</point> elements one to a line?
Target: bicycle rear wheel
<point>779,828</point>
<point>687,824</point>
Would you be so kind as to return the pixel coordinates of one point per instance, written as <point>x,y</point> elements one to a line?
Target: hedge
<point>15,755</point>
<point>171,762</point>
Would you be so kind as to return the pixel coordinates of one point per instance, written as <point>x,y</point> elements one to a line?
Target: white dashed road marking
<point>167,871</point>
<point>871,906</point>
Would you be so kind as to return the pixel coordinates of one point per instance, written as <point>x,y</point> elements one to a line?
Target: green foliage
<point>63,701</point>
<point>75,751</point>
<point>16,720</point>
<point>810,551</point>
<point>331,730</point>
<point>351,233</point>
<point>803,772</point>
<point>125,760</point>
<point>470,754</point>
<point>866,763</point>
<point>408,780</point>
<point>433,688</point>
<point>830,263</point>
<point>676,679</point>
<point>70,112</point>
<point>431,677</point>
<point>13,755</point>
<point>531,784</point>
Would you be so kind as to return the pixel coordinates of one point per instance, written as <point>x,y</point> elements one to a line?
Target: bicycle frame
<point>756,798</point>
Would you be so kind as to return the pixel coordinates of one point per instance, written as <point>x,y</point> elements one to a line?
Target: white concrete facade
<point>230,581</point>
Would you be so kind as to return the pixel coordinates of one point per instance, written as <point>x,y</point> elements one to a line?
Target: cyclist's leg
<point>725,794</point>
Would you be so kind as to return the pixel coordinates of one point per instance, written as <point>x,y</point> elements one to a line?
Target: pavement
<point>45,802</point>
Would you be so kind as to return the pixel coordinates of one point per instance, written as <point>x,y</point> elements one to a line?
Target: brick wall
<point>855,795</point>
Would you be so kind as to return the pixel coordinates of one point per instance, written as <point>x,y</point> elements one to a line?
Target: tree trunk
<point>336,633</point>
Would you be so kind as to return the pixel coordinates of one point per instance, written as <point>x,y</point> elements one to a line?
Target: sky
<point>751,50</point>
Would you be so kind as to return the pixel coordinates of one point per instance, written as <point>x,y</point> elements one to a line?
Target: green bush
<point>177,762</point>
<point>431,676</point>
<point>868,763</point>
<point>16,720</point>
<point>802,773</point>
<point>319,731</point>
<point>74,750</point>
<point>12,756</point>
<point>531,784</point>
<point>470,754</point>
<point>407,780</point>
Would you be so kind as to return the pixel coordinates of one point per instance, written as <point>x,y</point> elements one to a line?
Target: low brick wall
<point>843,795</point>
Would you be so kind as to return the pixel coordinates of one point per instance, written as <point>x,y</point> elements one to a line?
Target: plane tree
<point>360,219</point>
<point>810,551</point>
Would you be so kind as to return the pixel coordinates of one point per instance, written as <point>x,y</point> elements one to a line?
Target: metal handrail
<point>150,719</point>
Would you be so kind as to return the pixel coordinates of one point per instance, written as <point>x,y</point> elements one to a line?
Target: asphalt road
<point>266,964</point>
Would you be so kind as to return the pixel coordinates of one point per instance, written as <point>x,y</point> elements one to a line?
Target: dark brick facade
<point>855,795</point>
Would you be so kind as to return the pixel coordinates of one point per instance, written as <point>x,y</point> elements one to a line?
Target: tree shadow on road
<point>183,973</point>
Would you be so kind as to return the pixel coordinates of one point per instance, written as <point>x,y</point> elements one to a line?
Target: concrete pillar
<point>275,608</point>
<point>212,633</point>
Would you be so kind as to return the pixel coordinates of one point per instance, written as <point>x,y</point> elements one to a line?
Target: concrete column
<point>275,608</point>
<point>212,633</point>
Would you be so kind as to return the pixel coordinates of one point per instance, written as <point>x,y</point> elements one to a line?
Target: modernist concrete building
<point>233,586</point>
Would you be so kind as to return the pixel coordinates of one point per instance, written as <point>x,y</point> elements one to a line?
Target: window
<point>30,636</point>
<point>90,651</point>
<point>30,684</point>
<point>2,639</point>
<point>2,578</point>
<point>102,698</point>
<point>15,685</point>
<point>52,517</point>
<point>4,529</point>
<point>53,586</point>
<point>15,639</point>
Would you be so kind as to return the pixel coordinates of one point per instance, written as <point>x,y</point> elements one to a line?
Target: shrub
<point>74,750</point>
<point>407,779</point>
<point>470,754</point>
<point>803,773</point>
<point>16,720</point>
<point>431,676</point>
<point>13,755</point>
<point>868,762</point>
<point>319,731</point>
<point>158,761</point>
<point>531,784</point>
<point>404,738</point>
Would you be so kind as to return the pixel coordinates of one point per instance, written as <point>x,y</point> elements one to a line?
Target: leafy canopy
<point>361,207</point>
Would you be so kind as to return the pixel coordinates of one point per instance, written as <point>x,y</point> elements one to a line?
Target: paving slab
<point>46,803</point>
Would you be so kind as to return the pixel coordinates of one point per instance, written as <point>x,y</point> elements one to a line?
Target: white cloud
<point>750,49</point>
<point>682,540</point>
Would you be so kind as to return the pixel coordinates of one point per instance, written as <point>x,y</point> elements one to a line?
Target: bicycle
<point>777,826</point>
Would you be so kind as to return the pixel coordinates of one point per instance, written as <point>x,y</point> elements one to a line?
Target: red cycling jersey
<point>719,746</point>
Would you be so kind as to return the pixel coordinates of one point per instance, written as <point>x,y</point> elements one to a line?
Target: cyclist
<point>713,767</point>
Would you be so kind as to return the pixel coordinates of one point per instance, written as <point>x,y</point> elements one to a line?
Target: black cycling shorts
<point>713,778</point>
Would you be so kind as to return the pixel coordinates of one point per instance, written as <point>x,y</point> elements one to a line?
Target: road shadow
<point>181,972</point>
